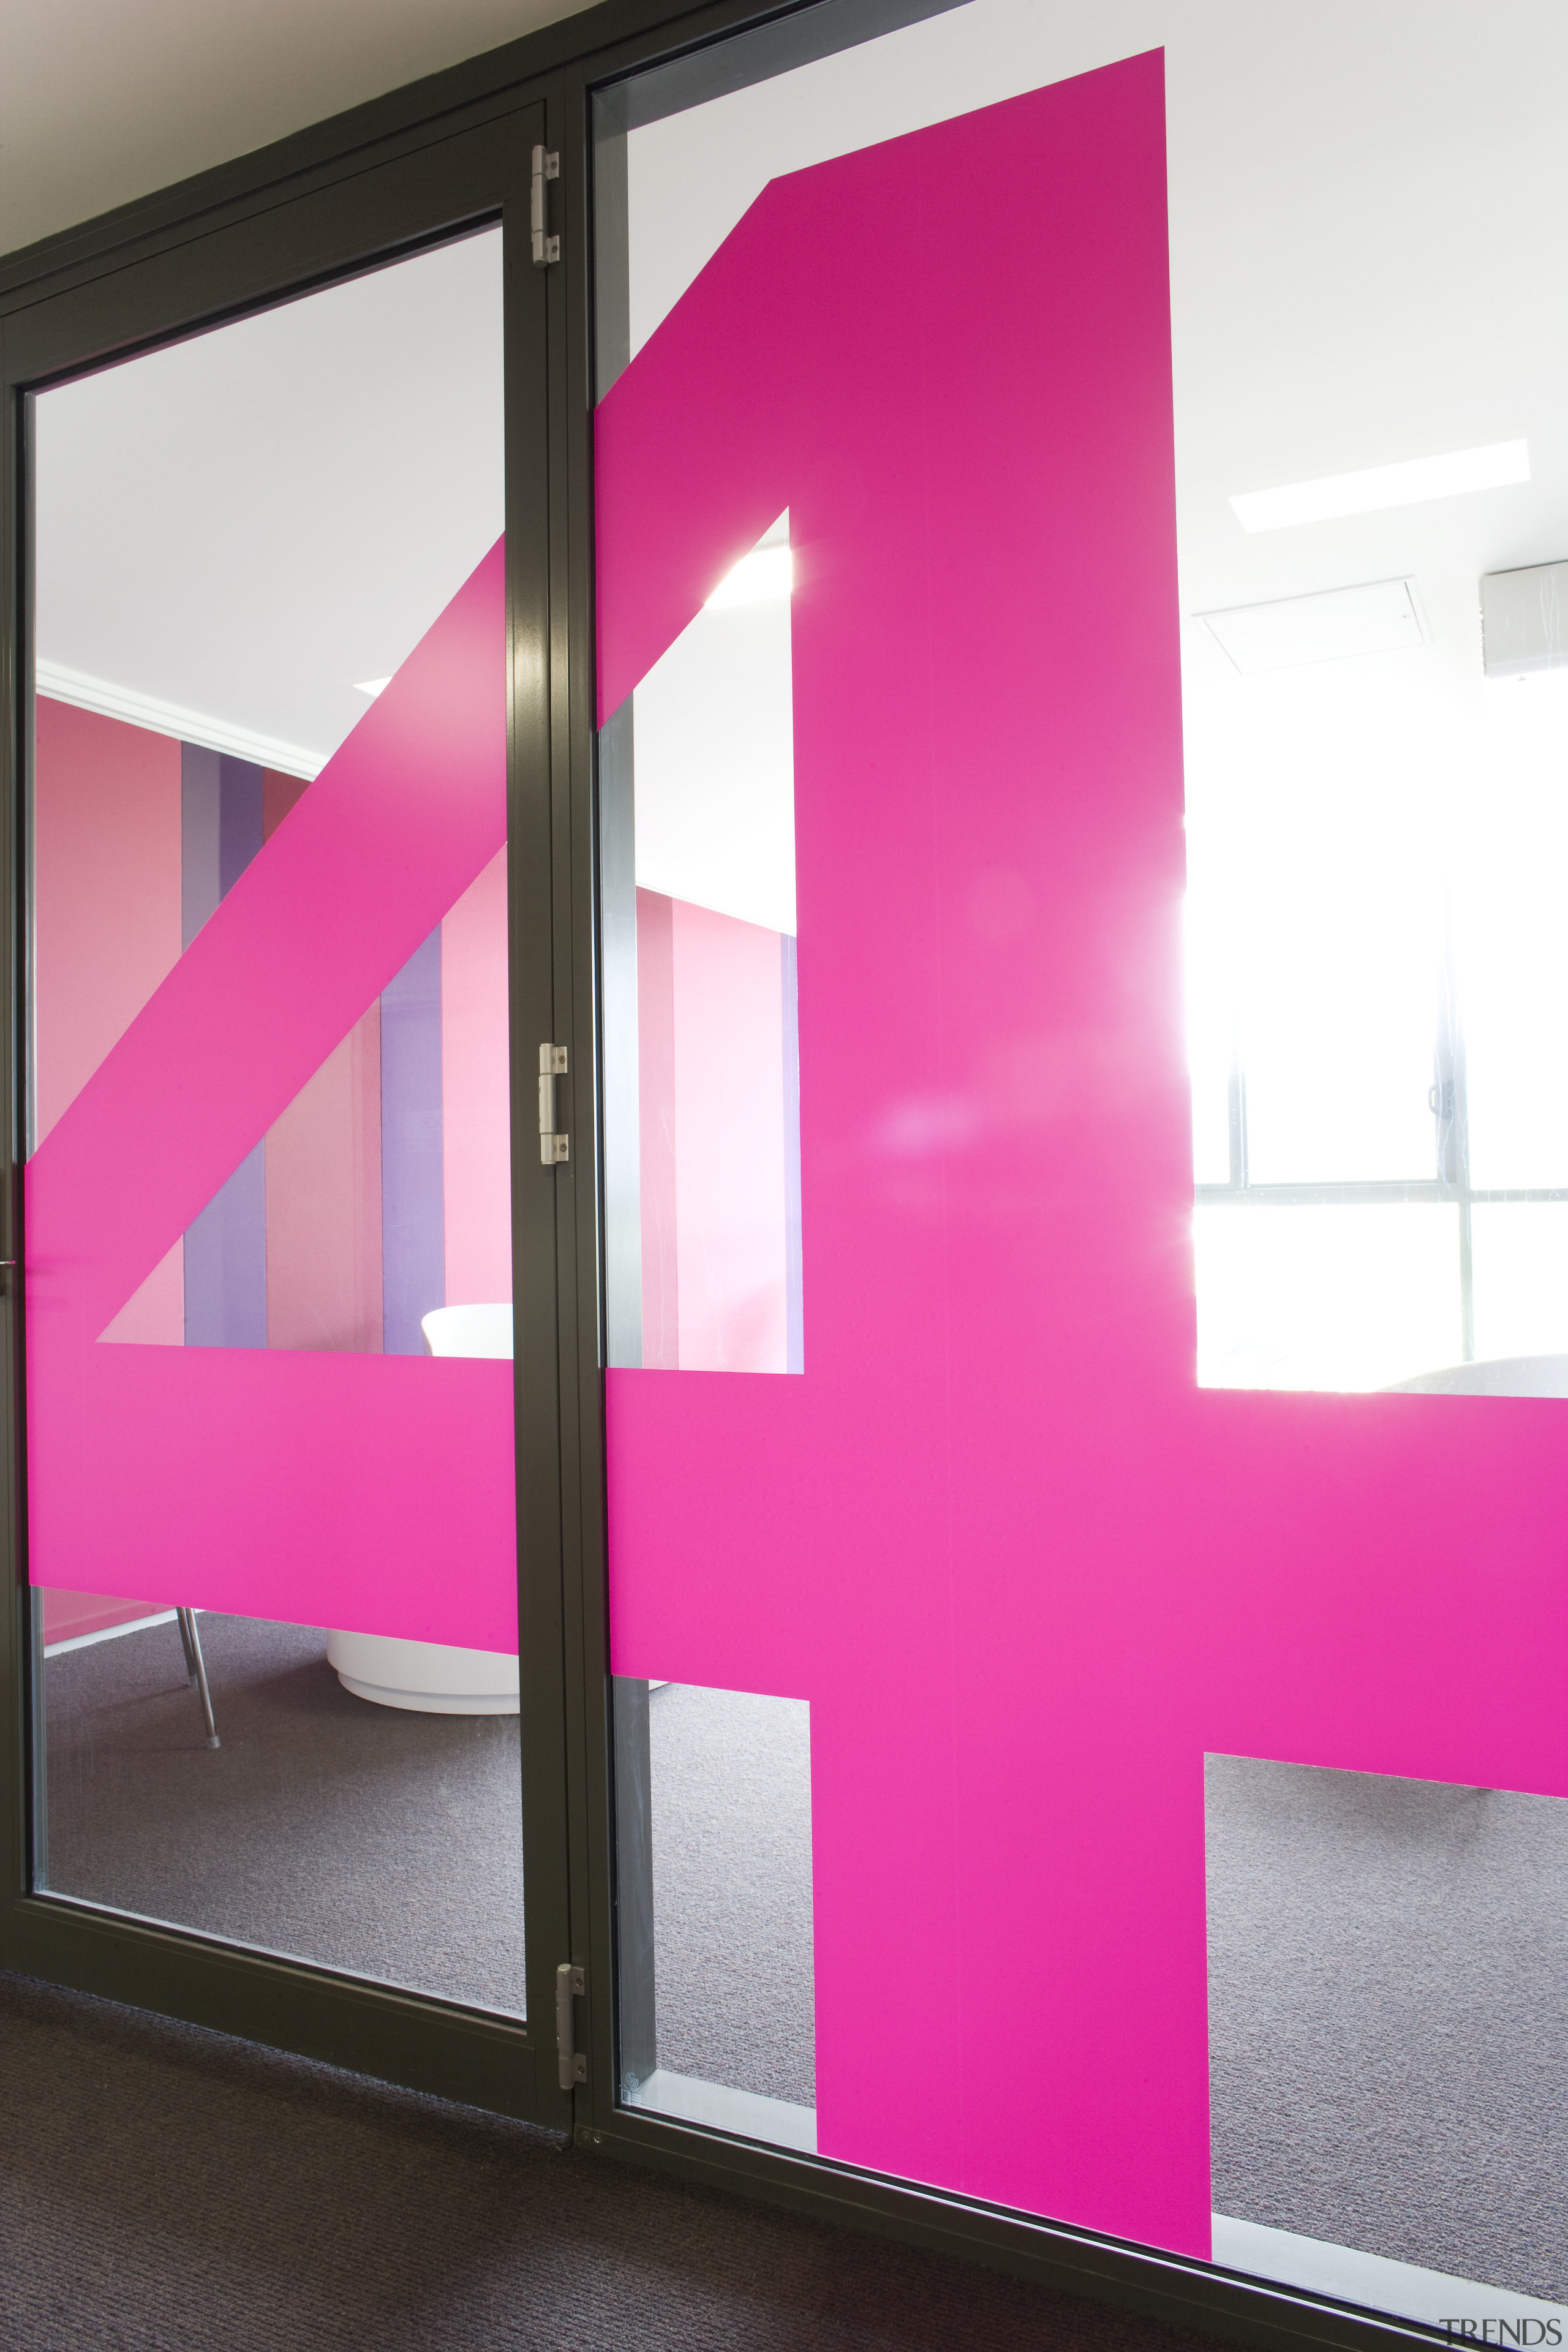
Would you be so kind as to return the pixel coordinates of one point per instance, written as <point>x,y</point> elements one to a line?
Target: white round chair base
<point>426,1677</point>
<point>433,1702</point>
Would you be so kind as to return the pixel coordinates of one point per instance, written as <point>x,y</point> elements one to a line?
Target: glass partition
<point>1154,396</point>
<point>271,1462</point>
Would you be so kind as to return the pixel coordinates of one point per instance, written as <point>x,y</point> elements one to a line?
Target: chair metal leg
<point>196,1667</point>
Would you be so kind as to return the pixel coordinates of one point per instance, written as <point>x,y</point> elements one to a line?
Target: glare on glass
<point>1325,1296</point>
<point>1316,835</point>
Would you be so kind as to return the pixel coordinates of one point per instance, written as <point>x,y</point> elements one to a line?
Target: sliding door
<point>1081,982</point>
<point>286,1229</point>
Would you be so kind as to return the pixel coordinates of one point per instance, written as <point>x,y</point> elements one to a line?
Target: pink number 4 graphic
<point>1026,1571</point>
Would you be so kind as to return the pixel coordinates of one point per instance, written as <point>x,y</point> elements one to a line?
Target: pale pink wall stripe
<point>68,1615</point>
<point>106,889</point>
<point>323,1203</point>
<point>155,1314</point>
<point>475,1093</point>
<point>729,1142</point>
<point>658,1135</point>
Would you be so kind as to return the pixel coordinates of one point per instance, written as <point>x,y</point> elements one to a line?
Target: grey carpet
<point>1388,1959</point>
<point>1388,1967</point>
<point>732,1888</point>
<point>165,2189</point>
<point>363,1837</point>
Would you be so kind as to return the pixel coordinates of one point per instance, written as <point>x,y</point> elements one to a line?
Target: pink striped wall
<point>324,1204</point>
<point>323,1179</point>
<point>106,889</point>
<point>107,899</point>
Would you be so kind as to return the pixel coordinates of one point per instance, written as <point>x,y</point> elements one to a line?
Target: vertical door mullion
<point>536,1189</point>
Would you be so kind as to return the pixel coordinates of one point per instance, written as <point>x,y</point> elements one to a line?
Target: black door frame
<point>393,174</point>
<point>374,206</point>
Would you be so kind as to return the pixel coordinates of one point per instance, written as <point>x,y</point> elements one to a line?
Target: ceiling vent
<point>1382,617</point>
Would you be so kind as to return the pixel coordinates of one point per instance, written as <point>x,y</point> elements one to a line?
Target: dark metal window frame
<point>310,208</point>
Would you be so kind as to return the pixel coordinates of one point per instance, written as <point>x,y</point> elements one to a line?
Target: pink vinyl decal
<point>375,1493</point>
<point>1025,1572</point>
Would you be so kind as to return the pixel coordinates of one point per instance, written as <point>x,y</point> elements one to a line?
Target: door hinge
<point>552,1141</point>
<point>546,167</point>
<point>571,2062</point>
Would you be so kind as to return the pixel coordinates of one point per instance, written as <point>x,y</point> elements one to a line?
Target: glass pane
<point>1514,977</point>
<point>268,1195</point>
<point>1020,1566</point>
<point>1210,1043</point>
<point>1316,813</point>
<point>1521,1254</point>
<point>1320,1298</point>
<point>730,1775</point>
<point>703,1122</point>
<point>702,762</point>
<point>1379,1953</point>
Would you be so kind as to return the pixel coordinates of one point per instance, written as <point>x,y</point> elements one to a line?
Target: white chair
<point>433,1678</point>
<point>467,1330</point>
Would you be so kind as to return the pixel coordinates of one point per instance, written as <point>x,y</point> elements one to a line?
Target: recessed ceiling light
<point>757,578</point>
<point>1379,618</point>
<point>371,685</point>
<point>1407,484</point>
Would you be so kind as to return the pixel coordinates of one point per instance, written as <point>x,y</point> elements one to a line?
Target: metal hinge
<point>552,1141</point>
<point>571,2064</point>
<point>546,167</point>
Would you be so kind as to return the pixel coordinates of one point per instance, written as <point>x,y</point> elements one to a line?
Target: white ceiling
<point>104,101</point>
<point>1365,251</point>
<point>244,525</point>
<point>1367,266</point>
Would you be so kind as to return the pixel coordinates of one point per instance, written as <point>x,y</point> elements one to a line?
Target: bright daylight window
<point>1377,974</point>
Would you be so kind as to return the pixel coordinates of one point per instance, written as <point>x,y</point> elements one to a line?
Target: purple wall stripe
<point>795,1297</point>
<point>200,889</point>
<point>239,819</point>
<point>226,1261</point>
<point>225,1247</point>
<point>412,1202</point>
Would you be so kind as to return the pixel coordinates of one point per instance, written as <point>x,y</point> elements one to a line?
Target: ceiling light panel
<point>1381,617</point>
<point>1497,465</point>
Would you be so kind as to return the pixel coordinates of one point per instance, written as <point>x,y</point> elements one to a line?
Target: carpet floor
<point>1388,2001</point>
<point>1388,1960</point>
<point>361,1837</point>
<point>166,2189</point>
<point>732,1889</point>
